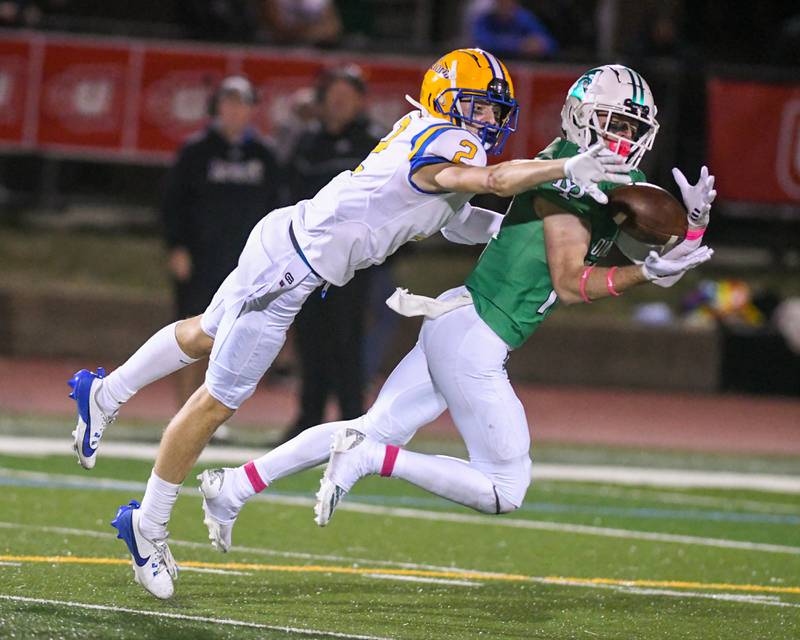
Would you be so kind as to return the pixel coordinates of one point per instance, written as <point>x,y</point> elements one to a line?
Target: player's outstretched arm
<point>567,240</point>
<point>516,176</point>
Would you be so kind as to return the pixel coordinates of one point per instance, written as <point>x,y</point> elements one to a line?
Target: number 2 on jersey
<point>469,154</point>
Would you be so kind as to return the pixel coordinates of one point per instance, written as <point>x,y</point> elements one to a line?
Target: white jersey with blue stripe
<point>363,216</point>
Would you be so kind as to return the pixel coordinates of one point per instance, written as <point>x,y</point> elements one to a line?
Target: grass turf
<point>287,572</point>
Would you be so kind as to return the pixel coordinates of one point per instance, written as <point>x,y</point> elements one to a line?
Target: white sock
<point>157,503</point>
<point>306,450</point>
<point>156,358</point>
<point>447,477</point>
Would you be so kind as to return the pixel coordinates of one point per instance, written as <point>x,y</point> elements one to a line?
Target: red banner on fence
<point>15,61</point>
<point>173,101</point>
<point>754,140</point>
<point>81,96</point>
<point>140,100</point>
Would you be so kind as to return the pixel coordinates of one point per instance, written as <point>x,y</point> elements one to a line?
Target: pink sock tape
<point>389,459</point>
<point>252,475</point>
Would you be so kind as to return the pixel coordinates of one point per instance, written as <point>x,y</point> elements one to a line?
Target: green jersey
<point>511,286</point>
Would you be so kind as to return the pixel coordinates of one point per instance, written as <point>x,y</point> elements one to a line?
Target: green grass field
<point>580,560</point>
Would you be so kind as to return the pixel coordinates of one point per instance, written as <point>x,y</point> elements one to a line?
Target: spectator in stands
<point>330,331</point>
<point>509,30</point>
<point>20,13</point>
<point>310,22</point>
<point>221,20</point>
<point>223,182</point>
<point>786,51</point>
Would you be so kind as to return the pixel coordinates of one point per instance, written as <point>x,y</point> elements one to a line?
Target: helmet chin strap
<point>416,104</point>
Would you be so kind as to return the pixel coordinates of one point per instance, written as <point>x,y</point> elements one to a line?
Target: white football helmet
<point>612,88</point>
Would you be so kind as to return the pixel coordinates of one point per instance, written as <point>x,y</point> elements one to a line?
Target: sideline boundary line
<point>612,474</point>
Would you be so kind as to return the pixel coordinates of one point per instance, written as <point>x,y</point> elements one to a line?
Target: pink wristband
<point>582,286</point>
<point>694,234</point>
<point>610,282</point>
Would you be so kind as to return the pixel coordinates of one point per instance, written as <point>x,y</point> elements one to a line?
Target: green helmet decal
<point>578,89</point>
<point>638,86</point>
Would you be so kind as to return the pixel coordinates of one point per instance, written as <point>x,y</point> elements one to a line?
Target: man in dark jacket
<point>224,181</point>
<point>330,330</point>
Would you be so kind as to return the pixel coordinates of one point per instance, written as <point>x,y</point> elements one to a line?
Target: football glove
<point>656,267</point>
<point>696,197</point>
<point>597,164</point>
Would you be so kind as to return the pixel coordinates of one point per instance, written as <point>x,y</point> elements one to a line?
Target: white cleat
<point>215,508</point>
<point>153,565</point>
<point>92,422</point>
<point>353,456</point>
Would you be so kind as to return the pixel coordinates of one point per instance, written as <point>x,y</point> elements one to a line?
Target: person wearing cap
<point>329,332</point>
<point>224,180</point>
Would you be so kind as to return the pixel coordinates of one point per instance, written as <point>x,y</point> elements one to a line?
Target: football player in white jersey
<point>416,181</point>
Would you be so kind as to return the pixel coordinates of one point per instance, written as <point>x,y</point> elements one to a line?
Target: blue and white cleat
<point>92,421</point>
<point>153,565</point>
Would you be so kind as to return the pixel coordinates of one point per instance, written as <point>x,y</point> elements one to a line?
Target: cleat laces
<point>97,432</point>
<point>162,557</point>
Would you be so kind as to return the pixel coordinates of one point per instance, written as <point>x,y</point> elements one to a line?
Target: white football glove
<point>671,264</point>
<point>678,251</point>
<point>696,197</point>
<point>597,164</point>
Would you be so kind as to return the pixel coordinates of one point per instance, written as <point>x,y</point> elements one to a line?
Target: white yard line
<point>615,474</point>
<point>464,518</point>
<point>675,478</point>
<point>607,532</point>
<point>649,591</point>
<point>668,497</point>
<point>455,583</point>
<point>181,616</point>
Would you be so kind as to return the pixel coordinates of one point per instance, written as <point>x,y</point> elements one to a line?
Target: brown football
<point>648,213</point>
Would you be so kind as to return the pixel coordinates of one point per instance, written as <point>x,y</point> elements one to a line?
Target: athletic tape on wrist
<point>694,234</point>
<point>582,286</point>
<point>610,282</point>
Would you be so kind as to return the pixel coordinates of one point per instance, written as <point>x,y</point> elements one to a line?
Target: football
<point>648,213</point>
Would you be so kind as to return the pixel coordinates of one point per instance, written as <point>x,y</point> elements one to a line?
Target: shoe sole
<point>323,510</point>
<point>77,435</point>
<point>212,524</point>
<point>330,493</point>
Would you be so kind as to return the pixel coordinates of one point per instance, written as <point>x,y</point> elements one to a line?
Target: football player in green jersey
<point>544,252</point>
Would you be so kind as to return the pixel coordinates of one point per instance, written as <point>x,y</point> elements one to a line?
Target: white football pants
<point>247,317</point>
<point>459,363</point>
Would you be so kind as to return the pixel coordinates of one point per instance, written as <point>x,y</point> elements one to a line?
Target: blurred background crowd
<point>533,29</point>
<point>92,224</point>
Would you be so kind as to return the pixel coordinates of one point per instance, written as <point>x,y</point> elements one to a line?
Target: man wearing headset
<point>223,181</point>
